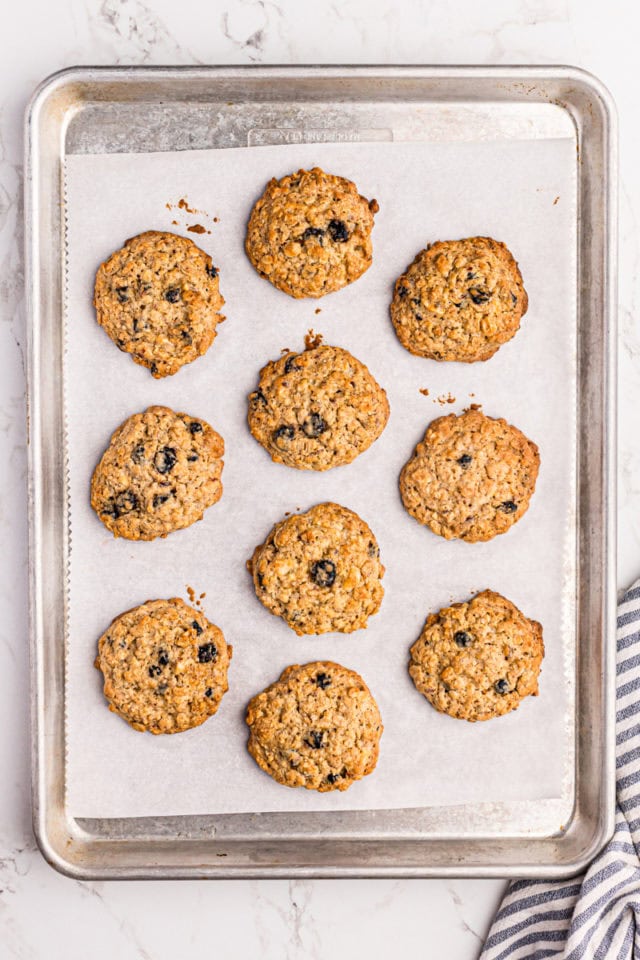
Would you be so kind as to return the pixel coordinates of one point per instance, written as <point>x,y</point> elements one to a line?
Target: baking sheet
<point>519,192</point>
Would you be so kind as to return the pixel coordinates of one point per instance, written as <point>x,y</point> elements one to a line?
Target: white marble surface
<point>43,915</point>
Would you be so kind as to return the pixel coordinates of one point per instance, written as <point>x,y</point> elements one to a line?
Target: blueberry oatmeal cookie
<point>164,666</point>
<point>317,727</point>
<point>158,299</point>
<point>459,300</point>
<point>471,477</point>
<point>159,473</point>
<point>479,659</point>
<point>310,233</point>
<point>317,409</point>
<point>320,571</point>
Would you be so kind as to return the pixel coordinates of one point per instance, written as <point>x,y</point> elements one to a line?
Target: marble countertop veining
<point>42,914</point>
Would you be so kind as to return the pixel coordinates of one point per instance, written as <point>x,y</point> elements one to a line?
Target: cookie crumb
<point>318,310</point>
<point>555,201</point>
<point>217,220</point>
<point>197,228</point>
<point>174,223</point>
<point>183,205</point>
<point>191,593</point>
<point>445,398</point>
<point>285,350</point>
<point>313,339</point>
<point>473,406</point>
<point>424,392</point>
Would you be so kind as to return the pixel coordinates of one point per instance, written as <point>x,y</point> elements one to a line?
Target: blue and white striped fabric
<point>593,916</point>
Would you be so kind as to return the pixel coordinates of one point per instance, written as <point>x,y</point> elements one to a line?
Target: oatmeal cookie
<point>317,409</point>
<point>459,300</point>
<point>159,473</point>
<point>317,727</point>
<point>158,299</point>
<point>164,666</point>
<point>471,477</point>
<point>320,571</point>
<point>479,659</point>
<point>310,233</point>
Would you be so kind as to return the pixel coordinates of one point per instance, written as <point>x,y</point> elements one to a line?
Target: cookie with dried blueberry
<point>310,233</point>
<point>320,571</point>
<point>317,727</point>
<point>158,299</point>
<point>479,659</point>
<point>164,666</point>
<point>471,477</point>
<point>159,473</point>
<point>459,300</point>
<point>317,409</point>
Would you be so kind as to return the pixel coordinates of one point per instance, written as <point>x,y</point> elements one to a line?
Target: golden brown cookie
<point>317,727</point>
<point>320,571</point>
<point>479,659</point>
<point>471,477</point>
<point>459,300</point>
<point>317,409</point>
<point>158,299</point>
<point>164,666</point>
<point>159,473</point>
<point>310,233</point>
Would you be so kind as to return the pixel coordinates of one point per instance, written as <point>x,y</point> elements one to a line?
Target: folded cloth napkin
<point>595,915</point>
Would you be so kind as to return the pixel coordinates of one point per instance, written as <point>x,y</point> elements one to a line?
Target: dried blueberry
<point>260,580</point>
<point>122,294</point>
<point>333,777</point>
<point>195,427</point>
<point>479,294</point>
<point>338,231</point>
<point>315,739</point>
<point>464,460</point>
<point>155,670</point>
<point>312,232</point>
<point>211,270</point>
<point>208,692</point>
<point>172,294</point>
<point>186,336</point>
<point>514,299</point>
<point>323,680</point>
<point>207,652</point>
<point>163,658</point>
<point>462,638</point>
<point>508,506</point>
<point>314,425</point>
<point>137,454</point>
<point>165,459</point>
<point>162,688</point>
<point>402,291</point>
<point>501,686</point>
<point>125,502</point>
<point>291,363</point>
<point>285,432</point>
<point>192,458</point>
<point>373,550</point>
<point>258,397</point>
<point>159,499</point>
<point>323,572</point>
<point>196,626</point>
<point>471,275</point>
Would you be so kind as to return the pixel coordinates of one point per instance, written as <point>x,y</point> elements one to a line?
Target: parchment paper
<point>523,193</point>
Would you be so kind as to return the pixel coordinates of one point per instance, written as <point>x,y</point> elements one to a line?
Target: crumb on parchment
<point>313,340</point>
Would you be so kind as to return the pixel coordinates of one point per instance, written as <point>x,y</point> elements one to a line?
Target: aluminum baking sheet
<point>97,110</point>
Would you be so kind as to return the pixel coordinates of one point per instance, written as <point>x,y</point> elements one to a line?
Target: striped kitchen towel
<point>595,915</point>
